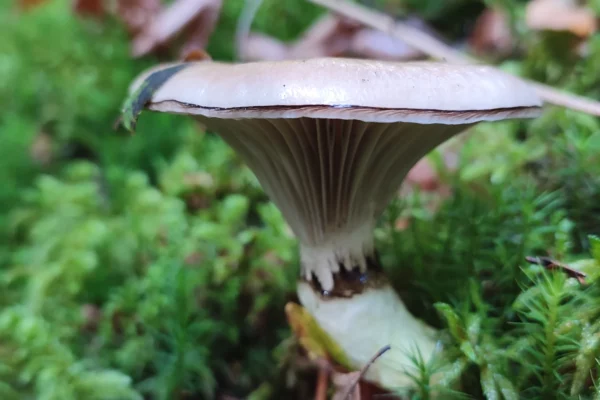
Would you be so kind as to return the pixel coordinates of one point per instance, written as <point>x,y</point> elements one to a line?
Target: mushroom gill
<point>330,178</point>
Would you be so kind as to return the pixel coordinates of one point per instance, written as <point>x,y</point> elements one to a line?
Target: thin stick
<point>437,49</point>
<point>322,383</point>
<point>363,371</point>
<point>551,264</point>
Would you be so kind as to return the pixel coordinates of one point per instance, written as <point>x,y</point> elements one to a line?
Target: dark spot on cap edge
<point>135,103</point>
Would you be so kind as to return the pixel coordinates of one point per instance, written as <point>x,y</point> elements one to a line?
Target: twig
<point>437,49</point>
<point>363,371</point>
<point>322,383</point>
<point>551,264</point>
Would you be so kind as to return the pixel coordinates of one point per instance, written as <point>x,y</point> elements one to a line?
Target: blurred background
<point>152,266</point>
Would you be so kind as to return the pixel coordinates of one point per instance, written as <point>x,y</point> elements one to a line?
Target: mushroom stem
<point>365,314</point>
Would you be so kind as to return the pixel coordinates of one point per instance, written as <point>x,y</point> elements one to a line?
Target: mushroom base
<point>366,322</point>
<point>348,282</point>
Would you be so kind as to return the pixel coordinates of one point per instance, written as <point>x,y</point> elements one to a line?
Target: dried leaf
<point>560,15</point>
<point>89,8</point>
<point>41,149</point>
<point>551,265</point>
<point>199,30</point>
<point>27,5</point>
<point>197,54</point>
<point>137,14</point>
<point>201,14</point>
<point>349,385</point>
<point>436,48</point>
<point>91,316</point>
<point>342,382</point>
<point>491,34</point>
<point>322,384</point>
<point>257,47</point>
<point>315,340</point>
<point>372,43</point>
<point>423,175</point>
<point>329,36</point>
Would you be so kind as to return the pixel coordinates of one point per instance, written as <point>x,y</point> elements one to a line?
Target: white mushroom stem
<point>366,322</point>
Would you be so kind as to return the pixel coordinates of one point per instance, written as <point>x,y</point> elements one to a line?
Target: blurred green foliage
<point>152,266</point>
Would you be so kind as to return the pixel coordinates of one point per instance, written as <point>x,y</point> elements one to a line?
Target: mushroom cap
<point>340,88</point>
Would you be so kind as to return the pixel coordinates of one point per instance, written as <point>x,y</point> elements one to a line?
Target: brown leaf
<point>137,14</point>
<point>349,386</point>
<point>372,43</point>
<point>322,384</point>
<point>258,47</point>
<point>200,15</point>
<point>552,265</point>
<point>423,175</point>
<point>91,317</point>
<point>89,8</point>
<point>195,55</point>
<point>28,5</point>
<point>328,37</point>
<point>346,386</point>
<point>560,15</point>
<point>200,29</point>
<point>492,34</point>
<point>41,149</point>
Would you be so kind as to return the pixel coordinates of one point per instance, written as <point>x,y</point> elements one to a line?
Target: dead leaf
<point>200,15</point>
<point>137,14</point>
<point>552,265</point>
<point>315,341</point>
<point>195,55</point>
<point>259,47</point>
<point>322,383</point>
<point>423,175</point>
<point>199,30</point>
<point>560,15</point>
<point>491,34</point>
<point>28,5</point>
<point>372,43</point>
<point>41,149</point>
<point>89,8</point>
<point>330,36</point>
<point>346,387</point>
<point>349,385</point>
<point>91,315</point>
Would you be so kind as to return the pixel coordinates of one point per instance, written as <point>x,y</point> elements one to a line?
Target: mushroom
<point>331,141</point>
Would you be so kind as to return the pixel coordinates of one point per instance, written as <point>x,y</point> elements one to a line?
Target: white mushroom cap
<point>366,90</point>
